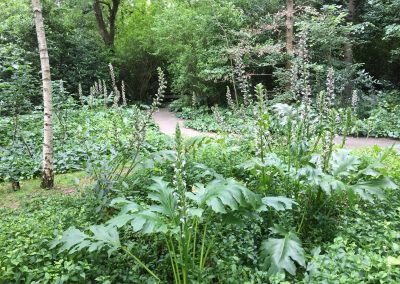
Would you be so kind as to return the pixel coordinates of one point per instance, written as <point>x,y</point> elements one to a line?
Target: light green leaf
<point>279,203</point>
<point>367,190</point>
<point>221,195</point>
<point>106,234</point>
<point>281,254</point>
<point>69,239</point>
<point>343,163</point>
<point>120,220</point>
<point>393,261</point>
<point>163,194</point>
<point>195,212</point>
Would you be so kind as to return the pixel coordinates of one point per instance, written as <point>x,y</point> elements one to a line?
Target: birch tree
<point>47,170</point>
<point>289,26</point>
<point>348,48</point>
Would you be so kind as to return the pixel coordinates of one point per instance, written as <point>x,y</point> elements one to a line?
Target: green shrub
<point>383,120</point>
<point>25,256</point>
<point>367,246</point>
<point>179,104</point>
<point>24,253</point>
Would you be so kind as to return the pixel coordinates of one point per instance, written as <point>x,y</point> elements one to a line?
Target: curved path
<point>167,121</point>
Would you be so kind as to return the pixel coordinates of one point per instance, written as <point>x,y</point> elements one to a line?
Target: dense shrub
<point>383,119</point>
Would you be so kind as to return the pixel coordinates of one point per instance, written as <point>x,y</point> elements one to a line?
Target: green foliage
<point>178,104</point>
<point>25,256</point>
<point>182,219</point>
<point>198,210</point>
<point>280,254</point>
<point>21,140</point>
<point>383,120</point>
<point>380,38</point>
<point>17,86</point>
<point>75,49</point>
<point>191,38</point>
<point>366,248</point>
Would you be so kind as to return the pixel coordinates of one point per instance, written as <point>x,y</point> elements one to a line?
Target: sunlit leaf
<point>281,254</point>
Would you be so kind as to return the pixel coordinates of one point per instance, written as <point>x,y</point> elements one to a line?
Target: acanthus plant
<point>306,165</point>
<point>183,217</point>
<point>112,161</point>
<point>100,97</point>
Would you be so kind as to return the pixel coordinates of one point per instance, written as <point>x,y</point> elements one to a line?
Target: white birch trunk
<point>289,26</point>
<point>47,171</point>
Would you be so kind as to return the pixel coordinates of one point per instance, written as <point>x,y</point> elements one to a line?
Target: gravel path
<point>361,142</point>
<point>167,121</point>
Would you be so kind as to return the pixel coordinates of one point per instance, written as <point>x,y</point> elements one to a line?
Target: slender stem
<point>177,279</point>
<point>187,246</point>
<point>299,136</point>
<point>347,126</point>
<point>195,238</point>
<point>171,257</point>
<point>316,142</point>
<point>301,222</point>
<point>141,264</point>
<point>289,139</point>
<point>203,241</point>
<point>208,250</point>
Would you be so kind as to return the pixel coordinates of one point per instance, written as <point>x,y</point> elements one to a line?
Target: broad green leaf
<point>281,254</point>
<point>163,194</point>
<point>343,163</point>
<point>330,184</point>
<point>223,195</point>
<point>106,234</point>
<point>69,239</point>
<point>120,220</point>
<point>149,222</point>
<point>367,190</point>
<point>198,212</point>
<point>207,171</point>
<point>127,205</point>
<point>279,203</point>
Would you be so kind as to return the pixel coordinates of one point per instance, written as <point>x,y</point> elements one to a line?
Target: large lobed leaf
<point>164,195</point>
<point>345,175</point>
<point>279,203</point>
<point>367,190</point>
<point>220,195</point>
<point>281,254</point>
<point>75,240</point>
<point>343,163</point>
<point>159,217</point>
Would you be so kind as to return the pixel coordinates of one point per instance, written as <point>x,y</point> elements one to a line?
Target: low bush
<point>24,252</point>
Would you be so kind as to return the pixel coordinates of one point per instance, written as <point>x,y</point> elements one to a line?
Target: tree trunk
<point>15,185</point>
<point>289,37</point>
<point>289,28</point>
<point>108,35</point>
<point>47,171</point>
<point>348,47</point>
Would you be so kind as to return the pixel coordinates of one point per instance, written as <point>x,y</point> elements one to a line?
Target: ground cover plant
<point>92,190</point>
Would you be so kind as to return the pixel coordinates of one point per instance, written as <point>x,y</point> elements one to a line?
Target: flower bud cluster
<point>243,80</point>
<point>123,93</point>
<point>162,86</point>
<point>229,98</point>
<point>354,101</point>
<point>330,88</point>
